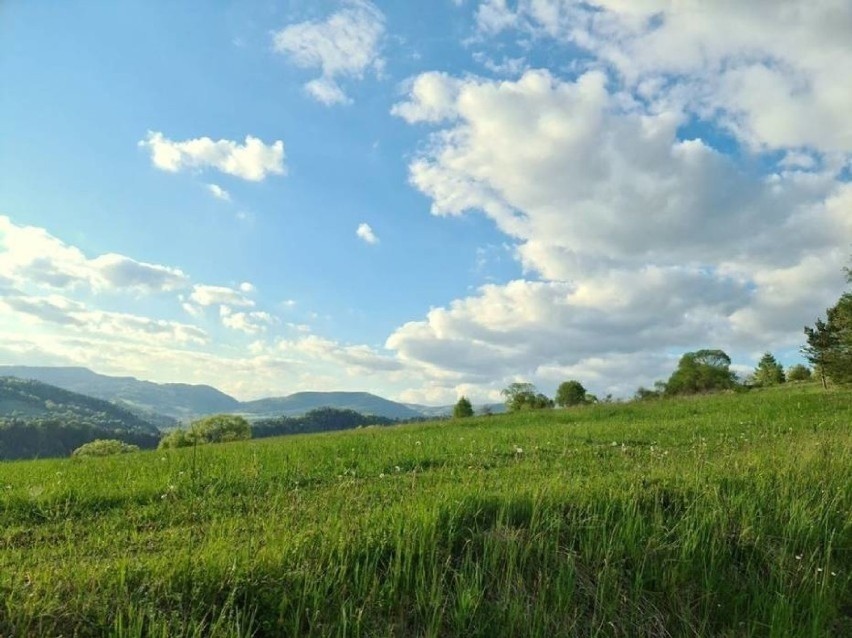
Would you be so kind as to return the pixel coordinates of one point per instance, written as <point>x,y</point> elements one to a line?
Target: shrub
<point>104,447</point>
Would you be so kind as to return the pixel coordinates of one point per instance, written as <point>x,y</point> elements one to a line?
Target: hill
<point>162,403</point>
<point>303,402</point>
<point>177,400</point>
<point>37,419</point>
<point>722,515</point>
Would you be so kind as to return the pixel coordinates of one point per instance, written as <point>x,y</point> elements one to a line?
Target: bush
<point>104,447</point>
<point>799,372</point>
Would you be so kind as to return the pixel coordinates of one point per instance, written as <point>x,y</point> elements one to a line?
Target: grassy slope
<point>725,515</point>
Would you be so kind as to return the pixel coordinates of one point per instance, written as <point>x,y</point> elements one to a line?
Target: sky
<point>422,200</point>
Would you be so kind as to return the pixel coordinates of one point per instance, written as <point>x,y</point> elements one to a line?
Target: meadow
<point>724,515</point>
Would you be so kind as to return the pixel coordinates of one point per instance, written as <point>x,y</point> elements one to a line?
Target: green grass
<point>725,515</point>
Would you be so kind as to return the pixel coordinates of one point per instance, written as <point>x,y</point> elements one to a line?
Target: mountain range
<point>163,404</point>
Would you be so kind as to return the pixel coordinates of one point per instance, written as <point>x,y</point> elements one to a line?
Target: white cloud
<point>356,359</point>
<point>120,272</point>
<point>218,192</point>
<point>433,98</point>
<point>251,161</point>
<point>253,323</point>
<point>493,16</point>
<point>204,295</point>
<point>563,168</point>
<point>345,45</point>
<point>514,329</point>
<point>765,70</point>
<point>644,242</point>
<point>366,233</point>
<point>327,91</point>
<point>33,256</point>
<point>63,311</point>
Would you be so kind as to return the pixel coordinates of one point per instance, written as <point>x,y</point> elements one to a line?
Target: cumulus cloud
<point>63,311</point>
<point>344,45</point>
<point>253,160</point>
<point>515,328</point>
<point>204,295</point>
<point>432,98</point>
<point>356,358</point>
<point>641,241</point>
<point>563,168</point>
<point>31,255</point>
<point>254,322</point>
<point>765,70</point>
<point>366,233</point>
<point>218,192</point>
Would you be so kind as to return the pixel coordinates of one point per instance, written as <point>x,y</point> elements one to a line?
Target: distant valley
<point>166,404</point>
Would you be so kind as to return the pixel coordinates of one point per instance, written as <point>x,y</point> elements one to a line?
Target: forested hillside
<point>320,420</point>
<point>177,400</point>
<point>40,420</point>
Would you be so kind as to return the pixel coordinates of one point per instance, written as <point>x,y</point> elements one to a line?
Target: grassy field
<point>716,516</point>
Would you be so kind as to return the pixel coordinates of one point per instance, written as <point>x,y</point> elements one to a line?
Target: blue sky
<point>544,189</point>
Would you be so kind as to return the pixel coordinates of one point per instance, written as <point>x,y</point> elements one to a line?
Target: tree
<point>175,439</point>
<point>104,447</point>
<point>799,372</point>
<point>219,428</point>
<point>701,371</point>
<point>524,396</point>
<point>768,371</point>
<point>462,409</point>
<point>829,343</point>
<point>570,393</point>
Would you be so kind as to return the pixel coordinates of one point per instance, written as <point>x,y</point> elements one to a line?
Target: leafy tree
<point>524,396</point>
<point>462,409</point>
<point>768,371</point>
<point>219,428</point>
<point>799,372</point>
<point>104,447</point>
<point>175,439</point>
<point>829,343</point>
<point>570,393</point>
<point>644,394</point>
<point>701,371</point>
<point>821,341</point>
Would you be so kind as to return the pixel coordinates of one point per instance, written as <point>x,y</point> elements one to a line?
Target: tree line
<point>828,349</point>
<point>57,436</point>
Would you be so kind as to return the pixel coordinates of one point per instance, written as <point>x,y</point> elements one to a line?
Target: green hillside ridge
<point>175,400</point>
<point>163,403</point>
<point>721,515</point>
<point>302,402</point>
<point>27,399</point>
<point>41,420</point>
